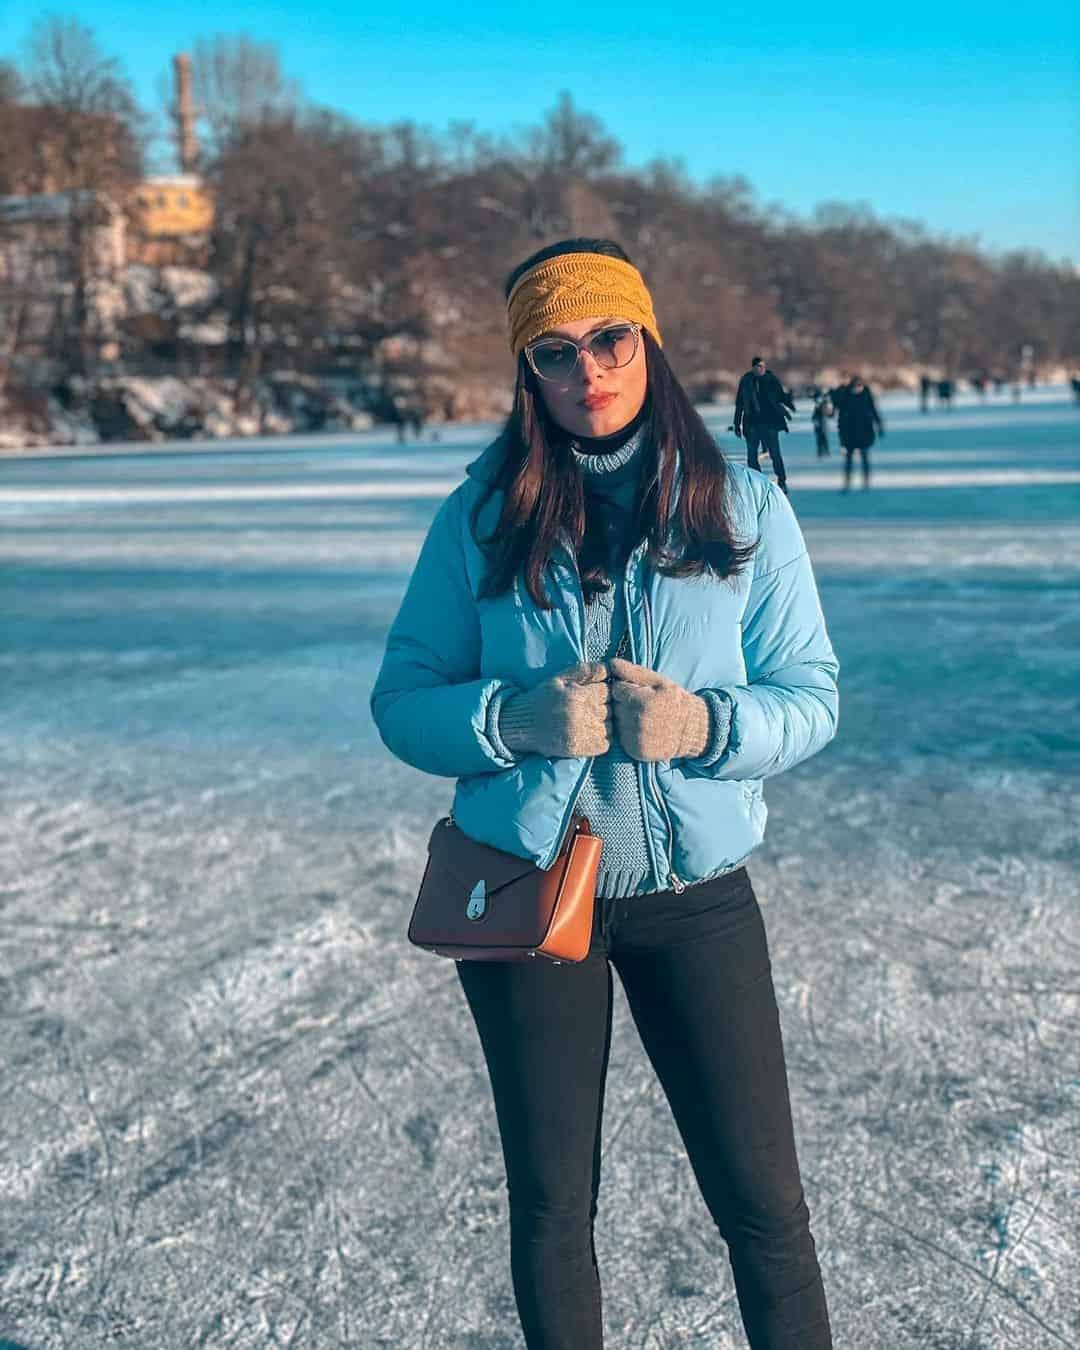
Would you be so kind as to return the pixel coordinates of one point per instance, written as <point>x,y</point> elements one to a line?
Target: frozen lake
<point>238,1109</point>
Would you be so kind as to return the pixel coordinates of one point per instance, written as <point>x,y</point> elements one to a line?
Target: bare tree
<point>68,70</point>
<point>239,83</point>
<point>573,142</point>
<point>88,149</point>
<point>10,84</point>
<point>387,246</point>
<point>14,151</point>
<point>278,243</point>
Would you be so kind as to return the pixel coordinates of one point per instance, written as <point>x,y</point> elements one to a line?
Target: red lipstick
<point>595,401</point>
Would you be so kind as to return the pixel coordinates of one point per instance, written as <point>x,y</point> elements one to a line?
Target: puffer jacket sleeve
<point>428,702</point>
<point>787,710</point>
<point>740,406</point>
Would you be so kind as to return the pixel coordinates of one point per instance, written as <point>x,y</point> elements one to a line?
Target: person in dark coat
<point>926,385</point>
<point>823,409</point>
<point>762,407</point>
<point>839,392</point>
<point>857,418</point>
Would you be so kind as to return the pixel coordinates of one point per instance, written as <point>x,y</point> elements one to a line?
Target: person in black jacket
<point>857,418</point>
<point>761,413</point>
<point>839,392</point>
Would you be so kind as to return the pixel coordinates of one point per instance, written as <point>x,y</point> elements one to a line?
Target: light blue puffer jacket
<point>759,638</point>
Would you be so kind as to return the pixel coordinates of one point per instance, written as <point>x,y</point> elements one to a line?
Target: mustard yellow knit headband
<point>577,286</point>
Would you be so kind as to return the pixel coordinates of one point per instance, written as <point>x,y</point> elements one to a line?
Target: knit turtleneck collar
<point>613,466</point>
<point>602,457</point>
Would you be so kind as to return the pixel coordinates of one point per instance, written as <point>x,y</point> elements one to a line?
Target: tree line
<point>338,245</point>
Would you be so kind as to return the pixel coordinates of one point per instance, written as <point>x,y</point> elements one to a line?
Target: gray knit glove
<point>656,718</point>
<point>566,717</point>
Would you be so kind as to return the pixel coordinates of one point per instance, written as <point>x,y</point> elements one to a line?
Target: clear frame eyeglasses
<point>610,347</point>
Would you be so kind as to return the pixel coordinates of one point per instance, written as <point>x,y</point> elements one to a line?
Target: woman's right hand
<point>566,717</point>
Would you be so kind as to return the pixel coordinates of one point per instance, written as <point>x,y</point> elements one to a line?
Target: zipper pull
<point>677,884</point>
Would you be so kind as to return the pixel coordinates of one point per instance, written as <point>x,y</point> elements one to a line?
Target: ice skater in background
<point>823,409</point>
<point>762,407</point>
<point>840,391</point>
<point>858,420</point>
<point>604,520</point>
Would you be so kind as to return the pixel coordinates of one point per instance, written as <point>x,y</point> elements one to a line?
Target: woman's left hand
<point>655,718</point>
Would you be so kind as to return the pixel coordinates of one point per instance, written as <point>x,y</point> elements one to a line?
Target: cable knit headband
<point>577,286</point>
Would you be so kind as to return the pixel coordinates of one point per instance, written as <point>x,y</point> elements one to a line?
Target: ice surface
<point>239,1111</point>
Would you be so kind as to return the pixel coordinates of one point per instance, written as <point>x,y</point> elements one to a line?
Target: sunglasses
<point>610,348</point>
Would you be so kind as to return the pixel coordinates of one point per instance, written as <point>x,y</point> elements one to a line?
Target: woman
<point>608,620</point>
<point>857,417</point>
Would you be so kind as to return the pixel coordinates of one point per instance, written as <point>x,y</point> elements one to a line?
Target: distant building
<point>76,221</point>
<point>53,162</point>
<point>171,217</point>
<point>175,205</point>
<point>164,221</point>
<point>50,244</point>
<point>35,232</point>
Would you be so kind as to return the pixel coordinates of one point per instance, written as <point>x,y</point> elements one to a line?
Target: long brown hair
<point>543,488</point>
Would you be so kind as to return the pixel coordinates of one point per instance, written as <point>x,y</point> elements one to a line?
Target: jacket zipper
<point>677,883</point>
<point>568,817</point>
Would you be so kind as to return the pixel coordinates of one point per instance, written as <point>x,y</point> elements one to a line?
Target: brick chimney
<point>184,114</point>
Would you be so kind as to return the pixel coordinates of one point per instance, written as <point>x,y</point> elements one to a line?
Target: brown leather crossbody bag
<point>477,903</point>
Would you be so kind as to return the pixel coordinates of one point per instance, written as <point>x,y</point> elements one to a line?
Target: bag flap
<point>468,861</point>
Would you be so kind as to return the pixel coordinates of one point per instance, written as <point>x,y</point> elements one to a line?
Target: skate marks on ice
<point>228,1072</point>
<point>928,989</point>
<point>212,1037</point>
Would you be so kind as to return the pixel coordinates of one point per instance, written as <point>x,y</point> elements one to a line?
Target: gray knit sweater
<point>610,796</point>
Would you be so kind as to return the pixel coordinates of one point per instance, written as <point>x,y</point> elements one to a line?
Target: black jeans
<point>769,437</point>
<point>697,976</point>
<point>850,452</point>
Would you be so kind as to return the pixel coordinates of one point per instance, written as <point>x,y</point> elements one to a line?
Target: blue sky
<point>965,117</point>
